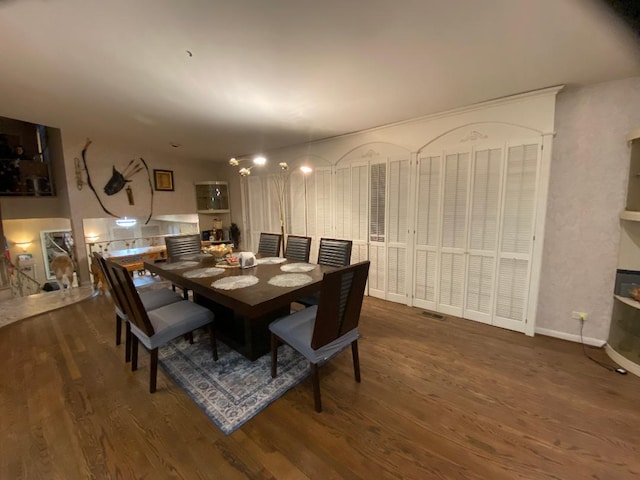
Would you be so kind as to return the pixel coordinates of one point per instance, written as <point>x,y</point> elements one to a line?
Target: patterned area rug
<point>232,390</point>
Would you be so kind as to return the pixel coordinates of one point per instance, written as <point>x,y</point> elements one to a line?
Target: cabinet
<point>623,344</point>
<point>212,197</point>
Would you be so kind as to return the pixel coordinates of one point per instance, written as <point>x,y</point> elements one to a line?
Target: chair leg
<point>127,342</point>
<point>118,330</point>
<point>185,294</point>
<point>189,337</point>
<point>274,355</point>
<point>153,370</point>
<point>212,339</point>
<point>315,379</point>
<point>356,360</point>
<point>134,353</point>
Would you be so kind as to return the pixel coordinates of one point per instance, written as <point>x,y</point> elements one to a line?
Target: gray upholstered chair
<point>269,245</point>
<point>334,253</point>
<point>154,328</point>
<point>179,245</point>
<point>151,299</point>
<point>297,248</point>
<point>321,331</point>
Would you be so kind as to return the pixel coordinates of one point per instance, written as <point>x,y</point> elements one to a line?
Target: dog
<point>62,267</point>
<point>99,282</point>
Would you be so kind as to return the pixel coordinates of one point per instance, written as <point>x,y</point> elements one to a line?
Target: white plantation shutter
<point>312,206</point>
<point>513,288</point>
<point>454,235</point>
<point>455,200</point>
<point>398,187</point>
<point>427,230</point>
<point>343,202</point>
<point>451,283</point>
<point>272,207</point>
<point>359,252</point>
<point>396,281</point>
<point>483,234</point>
<point>514,257</point>
<point>425,281</point>
<point>377,202</point>
<point>296,204</point>
<point>322,177</point>
<point>359,203</point>
<point>376,270</point>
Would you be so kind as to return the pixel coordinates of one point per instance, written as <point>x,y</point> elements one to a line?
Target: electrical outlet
<point>579,316</point>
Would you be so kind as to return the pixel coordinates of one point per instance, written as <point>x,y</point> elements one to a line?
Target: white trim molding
<point>593,342</point>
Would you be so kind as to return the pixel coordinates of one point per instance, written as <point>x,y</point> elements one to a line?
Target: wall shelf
<point>630,215</point>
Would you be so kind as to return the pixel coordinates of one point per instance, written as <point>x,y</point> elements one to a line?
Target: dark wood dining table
<point>242,315</point>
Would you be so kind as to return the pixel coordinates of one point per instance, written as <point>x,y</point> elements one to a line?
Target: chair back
<point>133,306</point>
<point>340,303</point>
<point>182,245</point>
<point>269,245</point>
<point>298,248</point>
<point>334,253</point>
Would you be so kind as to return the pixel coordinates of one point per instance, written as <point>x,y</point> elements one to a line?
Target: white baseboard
<point>594,342</point>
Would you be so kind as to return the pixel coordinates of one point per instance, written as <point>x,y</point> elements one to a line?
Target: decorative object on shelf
<point>163,180</point>
<point>635,294</point>
<point>234,232</point>
<point>78,170</point>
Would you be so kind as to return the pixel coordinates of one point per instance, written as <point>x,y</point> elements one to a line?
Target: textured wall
<point>587,191</point>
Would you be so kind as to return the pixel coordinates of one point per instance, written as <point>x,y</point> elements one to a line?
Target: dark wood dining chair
<point>269,245</point>
<point>323,330</point>
<point>334,253</point>
<point>155,328</point>
<point>179,245</point>
<point>151,299</point>
<point>297,248</point>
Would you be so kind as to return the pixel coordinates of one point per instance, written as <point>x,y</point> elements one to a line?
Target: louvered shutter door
<point>273,209</point>
<point>454,221</point>
<point>297,203</point>
<point>483,234</point>
<point>398,205</point>
<point>323,202</point>
<point>343,202</point>
<point>377,250</point>
<point>516,240</point>
<point>427,232</point>
<point>359,212</point>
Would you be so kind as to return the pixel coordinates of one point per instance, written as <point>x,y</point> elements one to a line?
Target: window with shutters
<point>377,202</point>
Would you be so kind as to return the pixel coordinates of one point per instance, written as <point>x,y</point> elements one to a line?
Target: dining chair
<point>269,245</point>
<point>321,331</point>
<point>155,328</point>
<point>179,245</point>
<point>333,253</point>
<point>151,299</point>
<point>298,248</point>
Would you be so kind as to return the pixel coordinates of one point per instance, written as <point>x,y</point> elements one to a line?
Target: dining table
<point>243,315</point>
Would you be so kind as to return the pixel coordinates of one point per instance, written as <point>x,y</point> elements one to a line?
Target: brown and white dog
<point>62,267</point>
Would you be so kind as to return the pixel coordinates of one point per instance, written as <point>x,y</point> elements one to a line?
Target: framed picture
<point>163,180</point>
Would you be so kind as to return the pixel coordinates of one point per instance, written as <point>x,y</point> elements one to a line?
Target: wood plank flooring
<point>439,399</point>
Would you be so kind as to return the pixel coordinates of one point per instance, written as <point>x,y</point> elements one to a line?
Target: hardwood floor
<point>438,399</point>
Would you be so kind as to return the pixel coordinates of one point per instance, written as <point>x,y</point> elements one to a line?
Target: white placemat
<point>195,256</point>
<point>179,265</point>
<point>271,260</point>
<point>298,267</point>
<point>237,281</point>
<point>290,280</point>
<point>203,272</point>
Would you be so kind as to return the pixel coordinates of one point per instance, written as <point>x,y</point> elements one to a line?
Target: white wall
<point>587,192</point>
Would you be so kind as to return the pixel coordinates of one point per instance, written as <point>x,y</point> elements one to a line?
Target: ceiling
<point>228,78</point>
